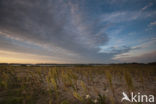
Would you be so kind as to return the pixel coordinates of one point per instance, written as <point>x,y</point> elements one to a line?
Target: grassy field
<point>74,84</point>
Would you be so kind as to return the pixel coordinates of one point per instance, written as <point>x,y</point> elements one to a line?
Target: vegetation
<point>79,84</point>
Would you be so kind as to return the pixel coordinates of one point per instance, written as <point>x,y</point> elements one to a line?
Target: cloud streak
<point>61,30</point>
<point>56,25</point>
<point>126,16</point>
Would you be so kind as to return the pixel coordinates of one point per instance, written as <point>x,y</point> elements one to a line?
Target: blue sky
<point>77,31</point>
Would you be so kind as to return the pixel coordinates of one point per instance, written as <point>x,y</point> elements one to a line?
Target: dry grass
<point>71,85</point>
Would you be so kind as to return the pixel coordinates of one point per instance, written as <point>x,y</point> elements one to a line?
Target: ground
<point>75,84</point>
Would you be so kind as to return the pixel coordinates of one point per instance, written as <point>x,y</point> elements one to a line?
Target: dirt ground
<point>101,84</point>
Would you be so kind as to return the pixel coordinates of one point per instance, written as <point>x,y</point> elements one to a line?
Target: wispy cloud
<point>143,52</point>
<point>147,6</point>
<point>65,30</point>
<point>125,16</point>
<point>144,58</point>
<point>152,23</point>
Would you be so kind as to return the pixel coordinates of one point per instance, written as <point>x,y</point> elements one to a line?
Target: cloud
<point>61,30</point>
<point>147,57</point>
<point>144,52</point>
<point>147,6</point>
<point>17,46</point>
<point>59,27</point>
<point>119,16</point>
<point>114,50</point>
<point>152,23</point>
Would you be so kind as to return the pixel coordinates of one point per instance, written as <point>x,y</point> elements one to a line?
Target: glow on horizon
<point>15,57</point>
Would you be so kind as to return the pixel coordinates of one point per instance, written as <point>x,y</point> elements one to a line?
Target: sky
<point>77,31</point>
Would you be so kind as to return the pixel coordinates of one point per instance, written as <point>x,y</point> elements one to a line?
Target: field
<point>100,84</point>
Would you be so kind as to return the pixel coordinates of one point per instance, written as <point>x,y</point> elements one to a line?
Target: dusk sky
<point>77,31</point>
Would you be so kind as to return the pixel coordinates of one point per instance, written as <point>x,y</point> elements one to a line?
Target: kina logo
<point>137,98</point>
